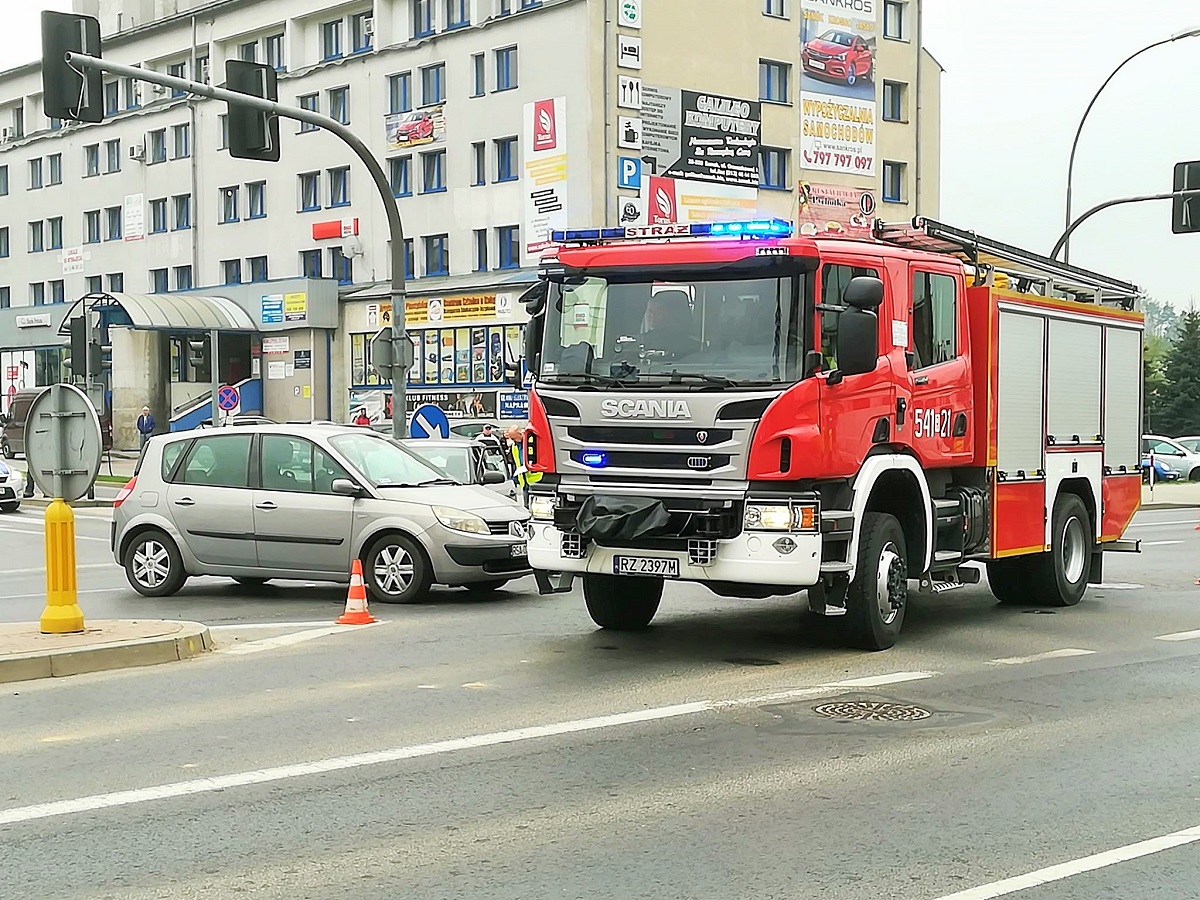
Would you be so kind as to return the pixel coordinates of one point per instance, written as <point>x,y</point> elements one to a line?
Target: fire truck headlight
<point>541,507</point>
<point>768,518</point>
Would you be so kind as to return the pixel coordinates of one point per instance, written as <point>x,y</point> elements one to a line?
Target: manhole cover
<point>873,711</point>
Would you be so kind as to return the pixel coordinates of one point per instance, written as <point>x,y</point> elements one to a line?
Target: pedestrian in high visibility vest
<point>522,475</point>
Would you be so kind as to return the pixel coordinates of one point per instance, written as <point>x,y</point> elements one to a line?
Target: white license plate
<point>663,567</point>
<point>816,64</point>
<point>518,550</point>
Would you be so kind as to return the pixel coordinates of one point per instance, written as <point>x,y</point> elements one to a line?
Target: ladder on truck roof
<point>1032,272</point>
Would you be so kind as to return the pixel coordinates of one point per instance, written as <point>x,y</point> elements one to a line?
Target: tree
<point>1155,391</point>
<point>1181,401</point>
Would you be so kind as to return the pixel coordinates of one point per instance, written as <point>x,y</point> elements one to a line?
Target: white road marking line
<point>42,594</point>
<point>105,565</point>
<point>1117,586</point>
<point>1161,524</point>
<point>233,626</point>
<point>1078,866</point>
<point>1179,636</point>
<point>1049,654</point>
<point>1159,543</point>
<point>287,640</point>
<point>374,758</point>
<point>4,529</point>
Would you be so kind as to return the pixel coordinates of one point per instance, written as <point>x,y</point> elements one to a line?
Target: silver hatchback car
<point>258,502</point>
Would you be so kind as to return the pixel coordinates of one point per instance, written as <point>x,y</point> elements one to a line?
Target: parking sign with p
<point>629,171</point>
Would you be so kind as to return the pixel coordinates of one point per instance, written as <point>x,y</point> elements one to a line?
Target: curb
<point>192,640</point>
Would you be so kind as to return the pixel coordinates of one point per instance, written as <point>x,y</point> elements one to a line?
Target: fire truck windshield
<point>729,333</point>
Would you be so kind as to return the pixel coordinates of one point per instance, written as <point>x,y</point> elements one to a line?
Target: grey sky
<point>1018,76</point>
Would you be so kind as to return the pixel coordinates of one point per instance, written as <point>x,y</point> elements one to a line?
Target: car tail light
<point>124,493</point>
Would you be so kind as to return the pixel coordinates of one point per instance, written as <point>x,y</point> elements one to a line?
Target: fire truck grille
<point>701,552</point>
<point>641,434</point>
<point>644,459</point>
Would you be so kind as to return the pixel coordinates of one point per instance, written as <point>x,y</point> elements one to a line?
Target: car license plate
<point>518,550</point>
<point>816,64</point>
<point>664,567</point>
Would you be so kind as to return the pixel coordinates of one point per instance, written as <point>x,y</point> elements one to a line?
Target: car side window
<point>294,464</point>
<point>493,460</point>
<point>222,461</point>
<point>934,318</point>
<point>170,456</point>
<point>834,281</point>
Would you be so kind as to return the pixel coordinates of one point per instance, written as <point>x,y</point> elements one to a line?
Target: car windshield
<point>837,37</point>
<point>383,463</point>
<point>1191,444</point>
<point>743,332</point>
<point>455,461</point>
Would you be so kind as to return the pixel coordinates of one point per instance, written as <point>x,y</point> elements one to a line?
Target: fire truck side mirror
<point>857,341</point>
<point>864,292</point>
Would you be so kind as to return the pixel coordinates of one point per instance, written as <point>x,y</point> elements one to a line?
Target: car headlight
<point>780,517</point>
<point>541,506</point>
<point>460,520</point>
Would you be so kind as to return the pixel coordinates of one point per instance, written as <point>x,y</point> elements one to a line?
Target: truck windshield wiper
<point>716,380</point>
<point>590,378</point>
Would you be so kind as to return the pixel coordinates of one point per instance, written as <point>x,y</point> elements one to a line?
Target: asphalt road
<point>507,749</point>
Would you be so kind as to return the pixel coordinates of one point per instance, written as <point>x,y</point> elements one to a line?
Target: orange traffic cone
<point>356,612</point>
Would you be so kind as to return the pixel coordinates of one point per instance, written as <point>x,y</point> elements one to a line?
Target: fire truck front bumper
<point>760,558</point>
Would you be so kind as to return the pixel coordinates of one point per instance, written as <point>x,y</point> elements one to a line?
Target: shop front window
<point>471,356</point>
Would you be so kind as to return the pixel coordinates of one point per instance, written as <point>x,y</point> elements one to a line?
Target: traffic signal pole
<point>1120,201</point>
<point>401,345</point>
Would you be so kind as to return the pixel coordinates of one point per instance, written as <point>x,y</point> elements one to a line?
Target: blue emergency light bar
<point>754,228</point>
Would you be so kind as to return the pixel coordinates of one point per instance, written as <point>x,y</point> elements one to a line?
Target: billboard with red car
<point>416,128</point>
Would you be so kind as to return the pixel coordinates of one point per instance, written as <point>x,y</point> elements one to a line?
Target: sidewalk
<point>26,653</point>
<point>1172,495</point>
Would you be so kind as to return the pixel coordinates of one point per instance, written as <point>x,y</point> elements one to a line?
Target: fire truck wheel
<point>1059,578</point>
<point>878,595</point>
<point>622,603</point>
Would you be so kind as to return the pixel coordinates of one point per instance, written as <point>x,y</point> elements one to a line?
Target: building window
<point>37,293</point>
<point>274,47</point>
<point>437,254</point>
<point>248,52</point>
<point>230,197</point>
<point>158,146</point>
<point>202,69</point>
<point>341,265</point>
<point>5,298</point>
<point>54,124</point>
<point>18,121</point>
<point>91,227</point>
<point>112,223</point>
<point>91,160</point>
<point>183,212</point>
<point>310,264</point>
<point>112,156</point>
<point>361,25</point>
<point>935,313</point>
<point>35,174</point>
<point>433,84</point>
<point>159,283</point>
<point>331,39</point>
<point>3,181</point>
<point>310,191</point>
<point>181,140</point>
<point>158,215</point>
<point>132,89</point>
<point>893,182</point>
<point>894,14</point>
<point>56,233</point>
<point>231,271</point>
<point>339,105</point>
<point>503,7</point>
<point>506,69</point>
<point>508,246</point>
<point>481,249</point>
<point>400,92</point>
<point>183,278</point>
<point>112,98</point>
<point>401,176</point>
<point>256,199</point>
<point>37,236</point>
<point>479,72</point>
<point>4,242</point>
<point>55,160</point>
<point>777,8</point>
<point>177,70</point>
<point>339,186</point>
<point>506,159</point>
<point>774,81</point>
<point>422,11</point>
<point>458,13</point>
<point>313,104</point>
<point>893,101</point>
<point>478,164</point>
<point>410,259</point>
<point>58,291</point>
<point>433,171</point>
<point>94,284</point>
<point>224,120</point>
<point>258,268</point>
<point>773,168</point>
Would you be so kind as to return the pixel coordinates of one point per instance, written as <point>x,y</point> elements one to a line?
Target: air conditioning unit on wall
<point>137,152</point>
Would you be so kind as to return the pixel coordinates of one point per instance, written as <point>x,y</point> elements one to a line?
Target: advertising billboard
<point>700,137</point>
<point>416,128</point>
<point>838,109</point>
<point>835,209</point>
<point>666,201</point>
<point>545,182</point>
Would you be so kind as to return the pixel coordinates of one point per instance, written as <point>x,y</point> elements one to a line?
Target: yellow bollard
<point>62,614</point>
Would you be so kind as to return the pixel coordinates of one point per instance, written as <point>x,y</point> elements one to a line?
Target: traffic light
<point>253,134</point>
<point>1185,212</point>
<point>79,347</point>
<point>69,92</point>
<point>197,354</point>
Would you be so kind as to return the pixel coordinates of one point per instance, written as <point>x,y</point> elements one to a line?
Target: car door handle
<point>185,501</point>
<point>265,505</point>
<point>921,379</point>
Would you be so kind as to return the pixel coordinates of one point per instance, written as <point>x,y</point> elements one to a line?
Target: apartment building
<point>495,120</point>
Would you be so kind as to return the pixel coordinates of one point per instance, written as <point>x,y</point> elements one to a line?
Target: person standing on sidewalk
<point>145,426</point>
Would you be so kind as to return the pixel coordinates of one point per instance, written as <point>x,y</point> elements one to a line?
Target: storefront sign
<point>701,137</point>
<point>835,209</point>
<point>39,321</point>
<point>444,309</point>
<point>275,345</point>
<point>456,404</point>
<point>135,217</point>
<point>514,405</point>
<point>73,259</point>
<point>272,309</point>
<point>545,181</point>
<point>302,359</point>
<point>295,307</point>
<point>339,228</point>
<point>666,201</point>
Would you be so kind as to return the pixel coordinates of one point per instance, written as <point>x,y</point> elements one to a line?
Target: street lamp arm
<point>1120,201</point>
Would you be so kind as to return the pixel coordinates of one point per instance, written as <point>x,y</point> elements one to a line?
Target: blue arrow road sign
<point>227,398</point>
<point>429,421</point>
<point>629,172</point>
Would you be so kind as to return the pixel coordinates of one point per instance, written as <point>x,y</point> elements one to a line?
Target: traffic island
<point>26,653</point>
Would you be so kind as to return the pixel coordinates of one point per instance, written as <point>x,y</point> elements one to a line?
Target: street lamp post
<point>1191,32</point>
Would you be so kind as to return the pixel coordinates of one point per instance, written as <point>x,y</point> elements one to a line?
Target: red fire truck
<point>764,413</point>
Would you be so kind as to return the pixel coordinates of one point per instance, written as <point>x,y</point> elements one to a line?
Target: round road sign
<point>227,398</point>
<point>429,421</point>
<point>63,443</point>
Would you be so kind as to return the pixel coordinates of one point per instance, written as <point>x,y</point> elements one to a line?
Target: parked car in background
<point>303,502</point>
<point>12,483</point>
<point>467,460</point>
<point>12,437</point>
<point>1190,443</point>
<point>1172,454</point>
